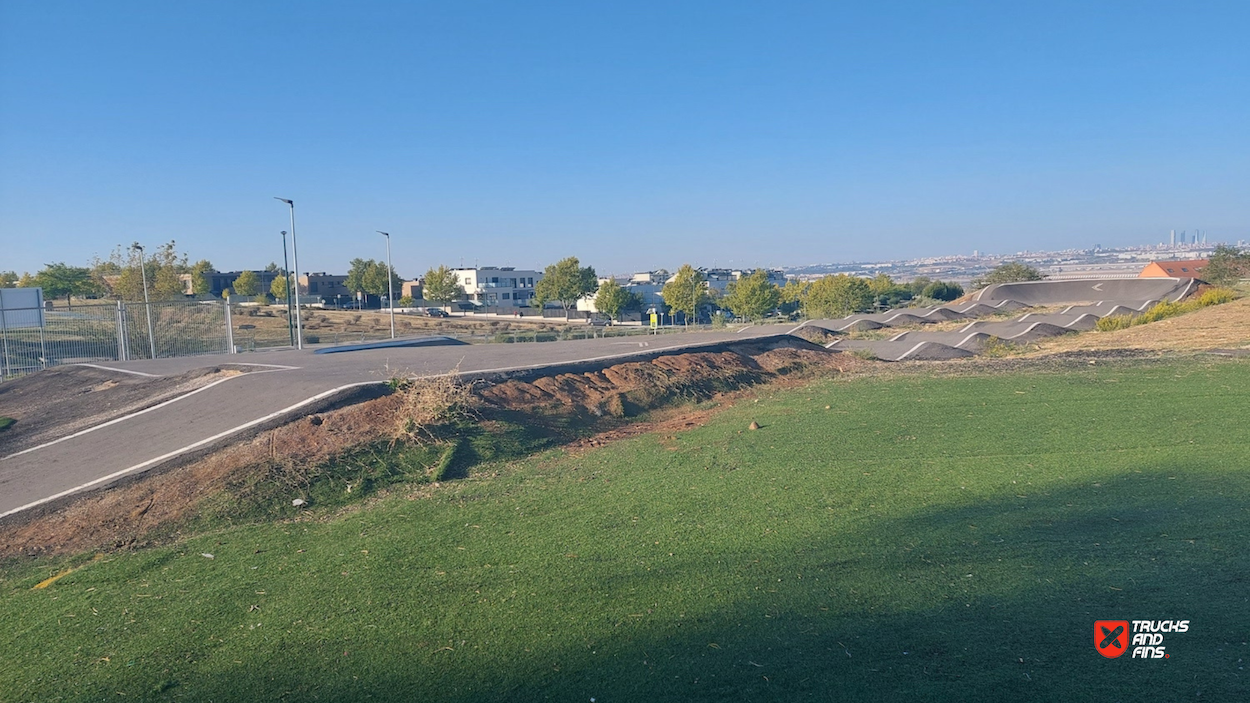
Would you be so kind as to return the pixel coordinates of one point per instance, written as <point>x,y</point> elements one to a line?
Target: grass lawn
<point>6,423</point>
<point>924,539</point>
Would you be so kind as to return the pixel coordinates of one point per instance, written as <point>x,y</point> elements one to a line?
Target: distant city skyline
<point>634,137</point>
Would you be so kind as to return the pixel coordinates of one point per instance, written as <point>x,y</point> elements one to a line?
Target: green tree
<point>369,276</point>
<point>247,284</point>
<point>272,267</point>
<point>1227,266</point>
<point>26,281</point>
<point>881,284</point>
<point>837,296</point>
<point>357,272</point>
<point>8,279</point>
<point>792,294</point>
<point>918,284</point>
<point>611,299</point>
<point>162,267</point>
<point>1007,272</point>
<point>940,290</point>
<point>199,277</point>
<point>751,297</point>
<point>406,302</point>
<point>566,282</point>
<point>62,280</point>
<point>686,292</point>
<point>278,288</point>
<point>441,286</point>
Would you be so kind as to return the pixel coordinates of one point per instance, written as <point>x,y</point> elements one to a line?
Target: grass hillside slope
<point>894,538</point>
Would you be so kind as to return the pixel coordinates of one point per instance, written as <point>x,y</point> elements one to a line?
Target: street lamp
<point>286,274</point>
<point>390,280</point>
<point>299,323</point>
<point>147,305</point>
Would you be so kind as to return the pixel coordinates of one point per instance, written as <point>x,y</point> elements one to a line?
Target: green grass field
<point>926,538</point>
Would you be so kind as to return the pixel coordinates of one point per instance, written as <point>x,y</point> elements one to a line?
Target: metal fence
<point>110,332</point>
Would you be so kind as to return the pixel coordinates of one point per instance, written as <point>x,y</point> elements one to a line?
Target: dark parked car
<point>436,312</point>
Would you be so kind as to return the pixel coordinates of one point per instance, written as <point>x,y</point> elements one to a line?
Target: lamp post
<point>147,305</point>
<point>286,274</point>
<point>299,324</point>
<point>390,280</point>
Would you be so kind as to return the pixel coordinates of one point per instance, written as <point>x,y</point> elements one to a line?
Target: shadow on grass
<point>984,601</point>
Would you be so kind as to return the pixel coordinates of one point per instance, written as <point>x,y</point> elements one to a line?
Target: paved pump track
<point>288,384</point>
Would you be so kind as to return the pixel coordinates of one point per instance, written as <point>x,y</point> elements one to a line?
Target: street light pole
<point>299,323</point>
<point>147,305</point>
<point>286,274</point>
<point>390,280</point>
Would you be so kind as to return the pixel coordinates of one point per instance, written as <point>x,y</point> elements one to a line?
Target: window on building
<point>505,296</point>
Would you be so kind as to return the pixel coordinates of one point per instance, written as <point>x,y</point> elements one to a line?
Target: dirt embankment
<point>625,389</point>
<point>1224,326</point>
<point>153,507</point>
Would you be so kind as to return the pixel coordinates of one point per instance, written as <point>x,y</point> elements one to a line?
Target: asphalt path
<point>280,383</point>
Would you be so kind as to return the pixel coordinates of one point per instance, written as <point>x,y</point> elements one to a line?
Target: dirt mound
<point>627,388</point>
<point>152,507</point>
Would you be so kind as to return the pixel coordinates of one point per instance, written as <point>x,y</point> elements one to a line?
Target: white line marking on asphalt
<point>189,447</point>
<point>800,326</point>
<point>124,417</point>
<point>110,368</point>
<point>904,356</point>
<point>271,366</point>
<point>253,423</point>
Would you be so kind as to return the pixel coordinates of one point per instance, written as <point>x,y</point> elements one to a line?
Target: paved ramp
<point>1086,302</point>
<point>1092,290</point>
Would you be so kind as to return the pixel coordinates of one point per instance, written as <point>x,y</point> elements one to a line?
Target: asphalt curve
<point>283,380</point>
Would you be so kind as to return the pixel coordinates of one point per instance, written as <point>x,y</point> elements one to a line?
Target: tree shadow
<point>984,601</point>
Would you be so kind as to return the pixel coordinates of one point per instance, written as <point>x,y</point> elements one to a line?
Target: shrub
<point>429,404</point>
<point>1216,296</point>
<point>719,320</point>
<point>998,348</point>
<point>1167,308</point>
<point>1113,322</point>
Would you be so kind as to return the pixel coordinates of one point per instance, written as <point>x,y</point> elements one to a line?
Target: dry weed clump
<point>425,405</point>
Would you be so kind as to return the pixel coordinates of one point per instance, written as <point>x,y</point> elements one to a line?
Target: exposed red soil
<point>151,507</point>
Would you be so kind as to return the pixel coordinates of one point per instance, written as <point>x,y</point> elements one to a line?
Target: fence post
<point>4,333</point>
<point>229,329</point>
<point>43,344</point>
<point>122,354</point>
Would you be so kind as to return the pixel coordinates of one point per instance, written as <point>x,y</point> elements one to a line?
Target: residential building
<point>413,289</point>
<point>1174,269</point>
<point>504,286</point>
<point>219,281</point>
<point>327,286</point>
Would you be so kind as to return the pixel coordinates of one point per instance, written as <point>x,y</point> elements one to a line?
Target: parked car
<point>436,312</point>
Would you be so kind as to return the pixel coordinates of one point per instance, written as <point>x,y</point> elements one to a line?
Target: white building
<point>498,287</point>
<point>650,285</point>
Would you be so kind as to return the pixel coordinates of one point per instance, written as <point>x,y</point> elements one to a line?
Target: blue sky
<point>632,135</point>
